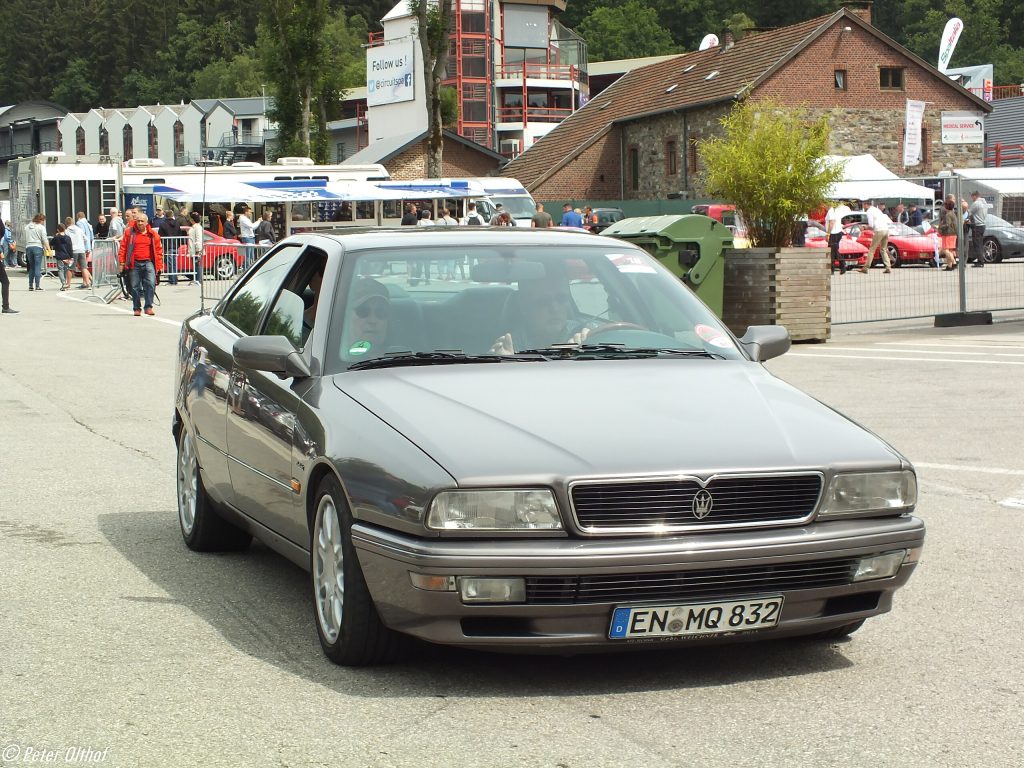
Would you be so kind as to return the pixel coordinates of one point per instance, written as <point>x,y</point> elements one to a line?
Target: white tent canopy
<point>864,178</point>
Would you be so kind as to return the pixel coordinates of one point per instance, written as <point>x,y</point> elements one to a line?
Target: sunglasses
<point>378,309</point>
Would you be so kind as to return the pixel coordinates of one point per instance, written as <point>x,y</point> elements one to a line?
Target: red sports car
<point>906,245</point>
<point>850,251</point>
<point>222,257</point>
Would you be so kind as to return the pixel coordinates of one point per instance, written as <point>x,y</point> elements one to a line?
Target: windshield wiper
<point>439,357</point>
<point>605,351</point>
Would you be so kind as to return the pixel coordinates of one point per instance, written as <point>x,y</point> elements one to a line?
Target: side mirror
<point>273,354</point>
<point>763,342</point>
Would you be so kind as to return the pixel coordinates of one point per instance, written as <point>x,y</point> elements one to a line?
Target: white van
<point>511,194</point>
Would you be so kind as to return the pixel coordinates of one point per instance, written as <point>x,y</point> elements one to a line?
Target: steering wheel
<point>608,327</point>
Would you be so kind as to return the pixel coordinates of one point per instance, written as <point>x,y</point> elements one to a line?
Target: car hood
<point>488,423</point>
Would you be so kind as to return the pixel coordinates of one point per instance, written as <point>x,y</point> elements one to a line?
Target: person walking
<point>977,212</point>
<point>36,245</point>
<point>64,255</point>
<point>5,282</point>
<point>85,228</point>
<point>247,233</point>
<point>115,225</point>
<point>541,220</point>
<point>949,226</point>
<point>141,254</point>
<point>879,223</point>
<point>77,239</point>
<point>195,245</point>
<point>834,228</point>
<point>8,246</point>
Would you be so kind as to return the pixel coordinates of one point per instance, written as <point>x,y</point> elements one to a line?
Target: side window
<point>245,308</point>
<point>295,309</point>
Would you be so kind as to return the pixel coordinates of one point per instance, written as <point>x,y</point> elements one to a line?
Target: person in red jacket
<point>143,257</point>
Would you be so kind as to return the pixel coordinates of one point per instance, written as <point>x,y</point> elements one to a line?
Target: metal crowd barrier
<point>919,287</point>
<point>224,264</point>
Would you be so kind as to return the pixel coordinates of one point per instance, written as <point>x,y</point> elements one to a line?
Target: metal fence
<point>917,285</point>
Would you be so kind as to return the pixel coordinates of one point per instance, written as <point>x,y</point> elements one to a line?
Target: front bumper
<point>387,559</point>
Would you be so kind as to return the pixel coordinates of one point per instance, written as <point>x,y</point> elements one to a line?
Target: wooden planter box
<point>778,286</point>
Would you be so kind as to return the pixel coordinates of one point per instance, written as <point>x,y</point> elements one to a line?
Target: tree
<point>770,165</point>
<point>625,32</point>
<point>293,47</point>
<point>434,21</point>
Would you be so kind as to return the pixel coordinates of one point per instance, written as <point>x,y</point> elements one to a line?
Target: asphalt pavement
<point>120,647</point>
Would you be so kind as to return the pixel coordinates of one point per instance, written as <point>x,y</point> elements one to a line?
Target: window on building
<point>691,156</point>
<point>890,78</point>
<point>179,138</point>
<point>671,157</point>
<point>80,140</point>
<point>840,79</point>
<point>634,168</point>
<point>339,151</point>
<point>104,142</point>
<point>128,142</point>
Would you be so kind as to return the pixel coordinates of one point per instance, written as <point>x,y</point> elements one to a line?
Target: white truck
<point>59,186</point>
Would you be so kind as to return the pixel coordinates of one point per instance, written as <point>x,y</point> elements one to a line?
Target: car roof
<point>353,238</point>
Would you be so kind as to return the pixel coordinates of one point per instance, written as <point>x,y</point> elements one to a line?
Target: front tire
<point>347,623</point>
<point>201,527</point>
<point>894,255</point>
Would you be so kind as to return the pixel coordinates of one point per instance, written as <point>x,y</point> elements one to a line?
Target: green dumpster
<point>689,244</point>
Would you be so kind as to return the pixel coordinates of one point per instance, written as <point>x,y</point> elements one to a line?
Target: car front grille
<point>669,505</point>
<point>689,585</point>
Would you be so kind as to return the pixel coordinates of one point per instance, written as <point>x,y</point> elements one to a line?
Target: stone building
<point>639,139</point>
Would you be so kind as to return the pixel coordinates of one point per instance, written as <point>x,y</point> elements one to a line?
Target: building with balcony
<point>516,70</point>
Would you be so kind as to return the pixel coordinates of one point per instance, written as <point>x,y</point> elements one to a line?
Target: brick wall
<point>865,118</point>
<point>595,174</point>
<point>458,160</point>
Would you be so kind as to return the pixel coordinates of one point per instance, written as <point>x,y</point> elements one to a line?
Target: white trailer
<point>59,186</point>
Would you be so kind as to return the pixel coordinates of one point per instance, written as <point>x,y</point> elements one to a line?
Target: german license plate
<point>629,622</point>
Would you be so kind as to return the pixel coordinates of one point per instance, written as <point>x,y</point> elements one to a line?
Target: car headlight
<point>506,510</point>
<point>854,493</point>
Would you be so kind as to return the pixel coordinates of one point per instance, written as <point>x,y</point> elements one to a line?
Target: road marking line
<point>915,351</point>
<point>1012,503</point>
<point>175,323</point>
<point>911,359</point>
<point>965,468</point>
<point>965,346</point>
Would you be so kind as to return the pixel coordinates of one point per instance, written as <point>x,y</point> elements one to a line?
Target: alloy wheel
<point>188,482</point>
<point>328,569</point>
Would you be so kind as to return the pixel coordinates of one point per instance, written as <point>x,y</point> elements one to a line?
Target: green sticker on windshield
<point>359,348</point>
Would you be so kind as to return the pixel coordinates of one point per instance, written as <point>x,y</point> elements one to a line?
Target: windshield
<point>519,207</point>
<point>505,300</point>
<point>995,221</point>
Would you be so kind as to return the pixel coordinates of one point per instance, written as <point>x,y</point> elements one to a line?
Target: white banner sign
<point>948,41</point>
<point>709,41</point>
<point>389,74</point>
<point>912,135</point>
<point>963,128</point>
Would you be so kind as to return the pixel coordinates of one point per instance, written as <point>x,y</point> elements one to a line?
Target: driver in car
<point>366,319</point>
<point>543,315</point>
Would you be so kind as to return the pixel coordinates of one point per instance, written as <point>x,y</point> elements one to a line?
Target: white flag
<point>709,41</point>
<point>948,41</point>
<point>912,135</point>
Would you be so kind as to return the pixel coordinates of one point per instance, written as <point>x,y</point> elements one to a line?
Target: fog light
<point>475,589</point>
<point>431,582</point>
<point>880,566</point>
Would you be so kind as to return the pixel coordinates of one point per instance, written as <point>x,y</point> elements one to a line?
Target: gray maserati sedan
<point>526,440</point>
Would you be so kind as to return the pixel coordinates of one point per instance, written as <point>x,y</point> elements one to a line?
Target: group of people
<point>950,223</point>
